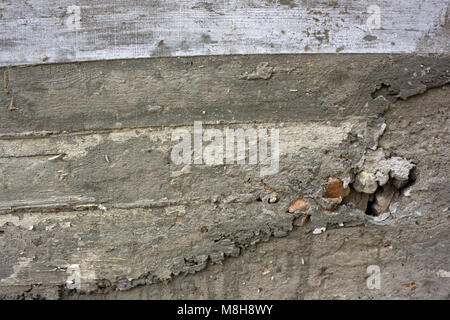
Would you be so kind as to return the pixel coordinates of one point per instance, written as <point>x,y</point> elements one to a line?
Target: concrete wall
<point>93,205</point>
<point>88,183</point>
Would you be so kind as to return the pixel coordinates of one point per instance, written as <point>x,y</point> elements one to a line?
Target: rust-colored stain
<point>5,82</point>
<point>411,285</point>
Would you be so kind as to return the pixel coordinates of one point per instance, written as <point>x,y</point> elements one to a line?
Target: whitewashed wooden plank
<point>46,31</point>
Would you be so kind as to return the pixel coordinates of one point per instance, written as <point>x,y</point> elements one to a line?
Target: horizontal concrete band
<point>48,31</point>
<point>145,93</point>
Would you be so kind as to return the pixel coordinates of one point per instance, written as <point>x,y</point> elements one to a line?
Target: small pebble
<point>319,230</point>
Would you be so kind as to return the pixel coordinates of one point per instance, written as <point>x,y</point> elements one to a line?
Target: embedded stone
<point>399,168</point>
<point>366,182</point>
<point>330,204</point>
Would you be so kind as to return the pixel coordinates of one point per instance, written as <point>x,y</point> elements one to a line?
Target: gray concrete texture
<point>87,181</point>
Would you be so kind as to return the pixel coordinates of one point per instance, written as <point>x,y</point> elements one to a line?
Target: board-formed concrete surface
<point>92,204</point>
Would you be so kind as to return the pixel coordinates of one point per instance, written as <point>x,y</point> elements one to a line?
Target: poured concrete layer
<point>48,31</point>
<point>119,95</point>
<point>92,206</point>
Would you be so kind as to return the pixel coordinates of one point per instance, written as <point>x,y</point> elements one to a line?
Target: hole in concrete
<point>369,211</point>
<point>379,202</point>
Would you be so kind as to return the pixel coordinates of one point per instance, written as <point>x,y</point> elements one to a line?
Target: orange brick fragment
<point>298,205</point>
<point>334,188</point>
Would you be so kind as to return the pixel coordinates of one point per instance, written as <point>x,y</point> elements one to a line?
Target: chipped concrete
<point>362,180</point>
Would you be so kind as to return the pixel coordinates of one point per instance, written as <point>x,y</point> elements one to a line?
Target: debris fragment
<point>365,182</point>
<point>319,230</point>
<point>57,157</point>
<point>335,189</point>
<point>329,204</point>
<point>263,72</point>
<point>383,199</point>
<point>301,222</point>
<point>12,107</point>
<point>298,205</point>
<point>407,192</point>
<point>304,220</point>
<point>273,198</point>
<point>398,169</point>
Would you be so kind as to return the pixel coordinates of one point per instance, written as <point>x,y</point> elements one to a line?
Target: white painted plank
<point>46,31</point>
